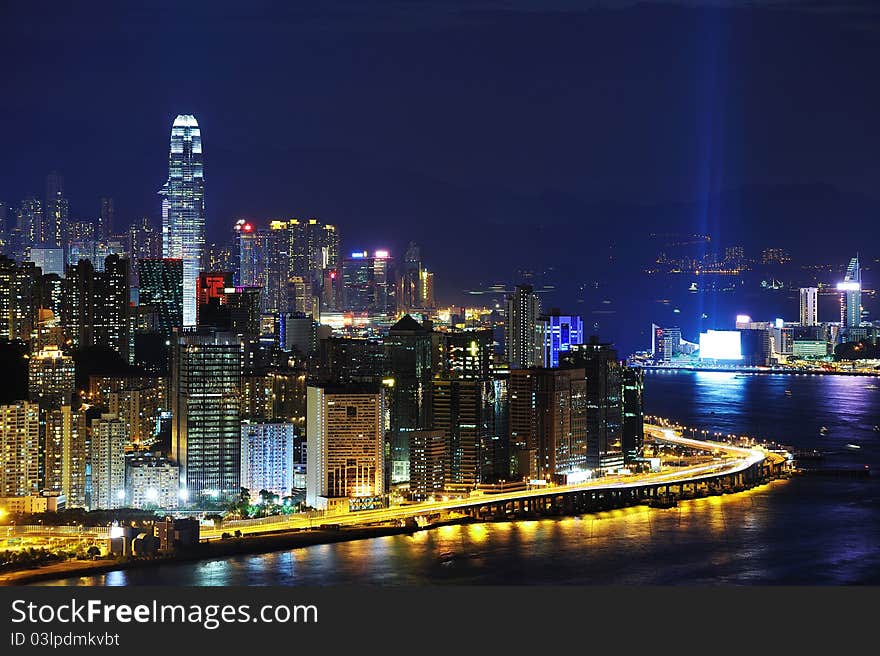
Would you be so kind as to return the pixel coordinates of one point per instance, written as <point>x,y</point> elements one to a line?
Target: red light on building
<point>247,227</point>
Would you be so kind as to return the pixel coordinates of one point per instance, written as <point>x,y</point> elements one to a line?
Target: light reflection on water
<point>802,531</point>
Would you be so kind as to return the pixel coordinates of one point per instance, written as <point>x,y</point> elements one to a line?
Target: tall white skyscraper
<point>851,296</point>
<point>183,208</point>
<point>809,306</point>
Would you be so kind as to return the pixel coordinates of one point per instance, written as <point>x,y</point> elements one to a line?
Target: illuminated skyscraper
<point>851,296</point>
<point>55,211</point>
<point>809,306</point>
<point>205,430</point>
<point>346,438</point>
<point>161,288</point>
<point>108,213</point>
<point>50,378</point>
<point>19,449</point>
<point>183,207</point>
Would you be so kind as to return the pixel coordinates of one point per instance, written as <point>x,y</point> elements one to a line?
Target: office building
<point>369,282</point>
<point>49,260</point>
<point>183,208</point>
<point>346,447</point>
<point>557,332</point>
<point>267,457</point>
<point>56,211</point>
<point>107,217</point>
<point>851,296</point>
<point>19,449</point>
<point>427,457</point>
<point>604,395</point>
<point>161,289</point>
<point>809,306</point>
<point>665,342</point>
<point>548,423</point>
<point>522,345</point>
<point>206,437</point>
<point>467,353</point>
<point>633,413</point>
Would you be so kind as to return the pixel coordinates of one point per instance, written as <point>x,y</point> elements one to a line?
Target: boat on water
<point>823,430</point>
<point>853,446</point>
<point>788,392</point>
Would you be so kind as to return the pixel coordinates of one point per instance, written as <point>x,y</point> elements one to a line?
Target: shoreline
<point>758,370</point>
<point>252,544</point>
<point>262,543</point>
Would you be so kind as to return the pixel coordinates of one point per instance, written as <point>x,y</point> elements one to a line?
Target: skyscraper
<point>55,211</point>
<point>809,306</point>
<point>109,436</point>
<point>556,333</point>
<point>19,449</point>
<point>521,339</point>
<point>183,208</point>
<point>205,434</point>
<point>51,378</point>
<point>161,288</point>
<point>851,296</point>
<point>345,446</point>
<point>108,213</point>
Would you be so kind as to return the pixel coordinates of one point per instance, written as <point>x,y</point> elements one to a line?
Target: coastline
<point>261,543</point>
<point>762,370</point>
<point>252,544</point>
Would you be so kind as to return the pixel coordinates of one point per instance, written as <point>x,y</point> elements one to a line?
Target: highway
<point>732,459</point>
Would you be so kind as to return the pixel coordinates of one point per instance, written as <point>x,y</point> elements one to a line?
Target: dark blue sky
<point>544,129</point>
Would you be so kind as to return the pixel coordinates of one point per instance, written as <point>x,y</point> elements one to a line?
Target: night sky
<point>500,135</point>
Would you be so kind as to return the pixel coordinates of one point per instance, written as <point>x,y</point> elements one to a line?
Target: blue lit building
<point>559,333</point>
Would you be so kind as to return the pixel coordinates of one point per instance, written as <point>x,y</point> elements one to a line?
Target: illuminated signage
<point>849,286</point>
<point>720,345</point>
<point>381,255</point>
<point>743,318</point>
<point>359,255</point>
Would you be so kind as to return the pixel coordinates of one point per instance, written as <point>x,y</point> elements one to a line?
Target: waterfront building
<point>665,342</point>
<point>604,400</point>
<point>19,449</point>
<point>206,432</point>
<point>810,349</point>
<point>633,413</point>
<point>409,359</point>
<point>851,296</point>
<point>267,457</point>
<point>548,422</point>
<point>809,306</point>
<point>183,207</point>
<point>522,346</point>
<point>151,481</point>
<point>346,446</point>
<point>427,456</point>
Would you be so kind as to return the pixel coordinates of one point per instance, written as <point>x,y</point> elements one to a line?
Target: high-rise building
<point>466,353</point>
<point>107,218</point>
<point>267,457</point>
<point>522,346</point>
<point>633,413</point>
<point>206,431</point>
<point>183,208</point>
<point>144,242</point>
<point>557,333</point>
<point>665,342</point>
<point>19,298</point>
<point>409,357</point>
<point>463,409</point>
<point>55,212</point>
<point>65,455</point>
<point>548,423</point>
<point>605,410</point>
<point>427,456</point>
<point>246,243</point>
<point>19,449</point>
<point>109,437</point>
<point>851,296</point>
<point>313,249</point>
<point>51,380</point>
<point>30,223</point>
<point>809,297</point>
<point>369,285</point>
<point>346,447</point>
<point>161,289</point>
